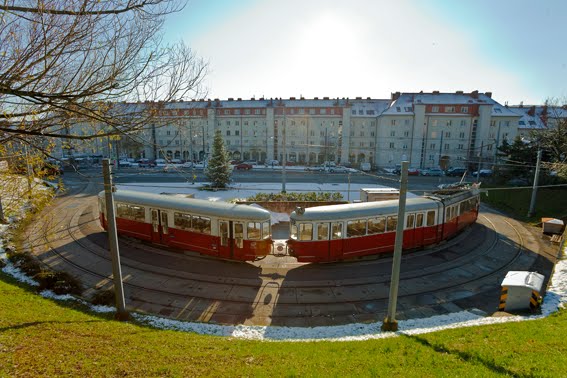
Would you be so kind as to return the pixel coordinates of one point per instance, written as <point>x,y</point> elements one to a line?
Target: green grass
<point>550,202</point>
<point>39,337</point>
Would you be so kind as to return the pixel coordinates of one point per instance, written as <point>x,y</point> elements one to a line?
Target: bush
<point>292,196</point>
<point>104,298</point>
<point>58,282</point>
<point>26,263</point>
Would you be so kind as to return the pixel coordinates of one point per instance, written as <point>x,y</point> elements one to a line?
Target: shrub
<point>104,298</point>
<point>293,196</point>
<point>26,263</point>
<point>58,282</point>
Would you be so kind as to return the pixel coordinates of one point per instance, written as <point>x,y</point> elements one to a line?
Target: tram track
<point>237,284</point>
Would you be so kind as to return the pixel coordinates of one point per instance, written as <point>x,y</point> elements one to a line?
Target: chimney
<point>474,94</point>
<point>488,94</point>
<point>531,112</point>
<point>395,96</point>
<point>359,98</point>
<point>230,99</point>
<point>435,92</point>
<point>325,98</point>
<point>292,98</point>
<point>315,98</point>
<point>239,98</point>
<point>459,92</point>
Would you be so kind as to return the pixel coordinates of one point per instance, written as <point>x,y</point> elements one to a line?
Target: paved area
<point>463,273</point>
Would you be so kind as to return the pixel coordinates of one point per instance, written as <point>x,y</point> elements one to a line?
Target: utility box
<point>552,226</point>
<point>520,291</point>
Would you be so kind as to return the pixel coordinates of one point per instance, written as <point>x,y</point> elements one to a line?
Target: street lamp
<point>284,159</point>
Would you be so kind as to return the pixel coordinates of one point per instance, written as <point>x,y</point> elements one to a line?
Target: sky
<point>364,48</point>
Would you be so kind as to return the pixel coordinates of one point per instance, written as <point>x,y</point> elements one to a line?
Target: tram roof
<point>191,205</point>
<point>360,210</point>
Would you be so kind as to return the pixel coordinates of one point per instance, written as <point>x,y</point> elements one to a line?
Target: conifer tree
<point>218,170</point>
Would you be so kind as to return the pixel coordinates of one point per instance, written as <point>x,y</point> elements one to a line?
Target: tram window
<point>419,220</point>
<point>337,230</point>
<point>182,221</point>
<point>266,230</point>
<point>376,225</point>
<point>305,231</point>
<point>356,228</point>
<point>293,232</point>
<point>410,221</point>
<point>323,231</point>
<point>254,231</point>
<point>392,223</point>
<point>447,213</point>
<point>430,218</point>
<point>201,224</point>
<point>131,212</point>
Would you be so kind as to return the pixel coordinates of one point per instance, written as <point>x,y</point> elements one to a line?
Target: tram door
<point>334,233</point>
<point>409,231</point>
<point>160,226</point>
<point>231,238</point>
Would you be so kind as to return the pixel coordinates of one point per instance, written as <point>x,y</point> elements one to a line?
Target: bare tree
<point>100,64</point>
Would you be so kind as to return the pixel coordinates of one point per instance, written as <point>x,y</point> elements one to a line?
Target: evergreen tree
<point>520,156</point>
<point>218,170</point>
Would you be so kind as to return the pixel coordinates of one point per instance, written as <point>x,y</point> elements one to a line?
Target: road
<point>416,183</point>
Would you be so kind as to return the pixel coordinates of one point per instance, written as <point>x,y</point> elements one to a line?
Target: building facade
<point>428,129</point>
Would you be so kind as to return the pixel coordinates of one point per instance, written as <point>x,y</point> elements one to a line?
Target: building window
<point>492,123</point>
<point>406,122</point>
<point>462,135</point>
<point>406,134</point>
<point>463,122</point>
<point>371,144</point>
<point>449,122</point>
<point>372,133</point>
<point>236,111</point>
<point>431,157</point>
<point>464,109</point>
<point>507,123</point>
<point>405,146</point>
<point>446,146</point>
<point>489,147</point>
<point>227,132</point>
<point>460,147</point>
<point>447,134</point>
<point>449,109</point>
<point>393,133</point>
<point>322,111</point>
<point>168,132</point>
<point>432,146</point>
<point>361,144</point>
<point>393,122</point>
<point>312,111</point>
<point>353,112</point>
<point>435,109</point>
<point>362,133</point>
<point>392,145</point>
<point>434,122</point>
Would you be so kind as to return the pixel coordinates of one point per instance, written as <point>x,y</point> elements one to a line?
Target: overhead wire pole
<point>390,323</point>
<point>284,159</point>
<point>121,313</point>
<point>531,212</point>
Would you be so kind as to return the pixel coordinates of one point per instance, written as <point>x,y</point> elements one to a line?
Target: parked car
<point>146,163</point>
<point>124,164</point>
<point>338,169</point>
<point>456,172</point>
<point>413,171</point>
<point>243,166</point>
<point>272,163</point>
<point>316,168</point>
<point>432,172</point>
<point>251,162</point>
<point>483,173</point>
<point>187,164</point>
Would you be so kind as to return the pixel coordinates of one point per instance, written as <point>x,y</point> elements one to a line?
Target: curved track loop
<point>462,273</point>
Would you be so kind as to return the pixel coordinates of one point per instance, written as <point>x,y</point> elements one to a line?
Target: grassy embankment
<point>39,337</point>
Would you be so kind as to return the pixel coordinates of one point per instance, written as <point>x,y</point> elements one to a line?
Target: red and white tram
<point>339,232</point>
<point>237,232</point>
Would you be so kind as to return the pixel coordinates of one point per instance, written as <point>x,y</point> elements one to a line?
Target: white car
<point>338,169</point>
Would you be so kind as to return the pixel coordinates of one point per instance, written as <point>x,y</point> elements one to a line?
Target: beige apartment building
<point>428,129</point>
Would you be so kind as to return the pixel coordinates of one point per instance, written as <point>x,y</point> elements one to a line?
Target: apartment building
<point>428,129</point>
